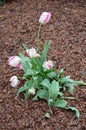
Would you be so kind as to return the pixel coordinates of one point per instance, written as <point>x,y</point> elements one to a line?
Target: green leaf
<point>27,95</point>
<point>45,51</point>
<point>26,64</point>
<point>74,109</point>
<point>23,88</point>
<point>61,73</point>
<point>46,83</point>
<point>30,72</point>
<point>79,83</point>
<point>54,89</point>
<point>51,74</point>
<point>66,79</point>
<point>37,63</point>
<point>70,86</point>
<point>26,86</point>
<point>60,103</point>
<point>37,81</point>
<point>60,94</point>
<point>42,94</point>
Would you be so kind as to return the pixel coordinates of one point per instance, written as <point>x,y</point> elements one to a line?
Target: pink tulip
<point>15,61</point>
<point>32,53</point>
<point>48,65</point>
<point>14,81</point>
<point>45,17</point>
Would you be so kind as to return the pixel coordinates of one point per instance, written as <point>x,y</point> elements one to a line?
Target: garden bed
<point>67,32</point>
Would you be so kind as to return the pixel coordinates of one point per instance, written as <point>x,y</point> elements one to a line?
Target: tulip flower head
<point>45,17</point>
<point>48,65</point>
<point>15,61</point>
<point>14,81</point>
<point>31,91</point>
<point>32,53</point>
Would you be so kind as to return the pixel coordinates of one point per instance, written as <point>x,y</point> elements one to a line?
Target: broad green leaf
<point>60,103</point>
<point>30,72</point>
<point>54,89</point>
<point>42,94</point>
<point>67,80</point>
<point>26,86</point>
<point>51,74</point>
<point>74,109</point>
<point>46,83</point>
<point>45,51</point>
<point>37,81</point>
<point>23,88</point>
<point>26,64</point>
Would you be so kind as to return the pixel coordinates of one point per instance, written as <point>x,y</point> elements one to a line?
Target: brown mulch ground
<point>67,31</point>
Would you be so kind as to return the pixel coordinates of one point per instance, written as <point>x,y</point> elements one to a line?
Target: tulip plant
<point>41,79</point>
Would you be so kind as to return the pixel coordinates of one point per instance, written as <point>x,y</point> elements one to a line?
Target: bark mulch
<point>67,32</point>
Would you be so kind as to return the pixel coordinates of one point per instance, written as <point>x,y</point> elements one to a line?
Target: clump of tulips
<point>41,79</point>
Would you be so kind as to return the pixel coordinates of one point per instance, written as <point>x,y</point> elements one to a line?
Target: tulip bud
<point>14,81</point>
<point>32,53</point>
<point>45,17</point>
<point>15,61</point>
<point>48,65</point>
<point>31,91</point>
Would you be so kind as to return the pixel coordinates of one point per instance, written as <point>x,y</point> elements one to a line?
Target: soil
<point>67,32</point>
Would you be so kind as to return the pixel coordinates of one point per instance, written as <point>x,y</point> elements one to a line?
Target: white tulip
<point>14,81</point>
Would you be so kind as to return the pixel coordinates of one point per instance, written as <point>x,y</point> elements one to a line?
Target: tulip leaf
<point>67,79</point>
<point>42,94</point>
<point>27,85</point>
<point>30,72</point>
<point>54,89</point>
<point>60,103</point>
<point>51,74</point>
<point>45,51</point>
<point>26,64</point>
<point>46,83</point>
<point>79,83</point>
<point>74,109</point>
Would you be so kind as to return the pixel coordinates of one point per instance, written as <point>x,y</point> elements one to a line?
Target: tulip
<point>31,91</point>
<point>45,17</point>
<point>14,81</point>
<point>48,64</point>
<point>32,53</point>
<point>15,61</point>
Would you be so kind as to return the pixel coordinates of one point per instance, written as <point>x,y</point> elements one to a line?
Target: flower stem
<point>50,110</point>
<point>38,38</point>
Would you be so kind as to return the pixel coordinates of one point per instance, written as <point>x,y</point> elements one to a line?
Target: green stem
<point>38,38</point>
<point>50,110</point>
